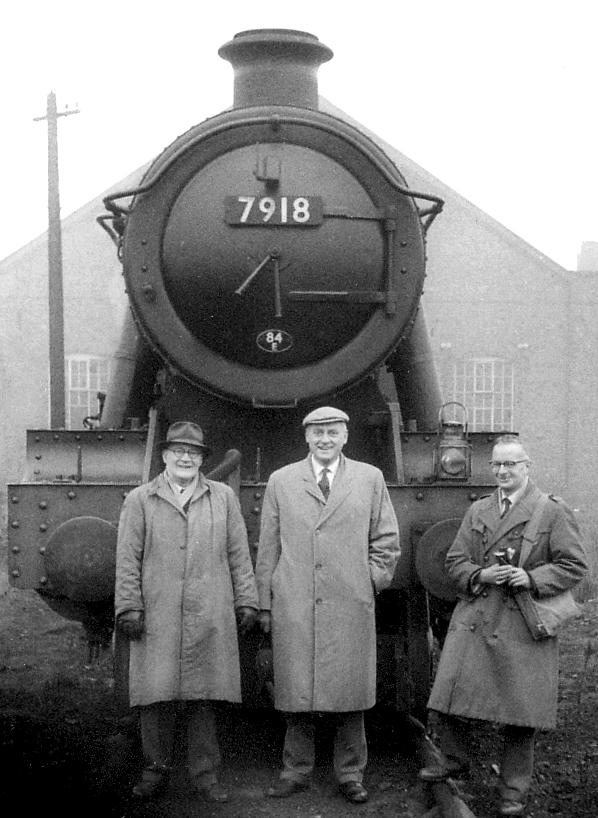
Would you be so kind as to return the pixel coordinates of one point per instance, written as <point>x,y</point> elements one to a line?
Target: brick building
<point>515,334</point>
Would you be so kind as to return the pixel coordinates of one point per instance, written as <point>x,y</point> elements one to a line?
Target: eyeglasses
<point>508,464</point>
<point>180,452</point>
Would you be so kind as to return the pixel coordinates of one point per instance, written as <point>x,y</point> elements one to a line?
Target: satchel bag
<point>543,616</point>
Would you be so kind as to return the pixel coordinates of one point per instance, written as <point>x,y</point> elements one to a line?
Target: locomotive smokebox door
<point>274,253</point>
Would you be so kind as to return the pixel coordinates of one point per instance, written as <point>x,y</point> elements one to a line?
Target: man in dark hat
<point>183,571</point>
<point>329,540</point>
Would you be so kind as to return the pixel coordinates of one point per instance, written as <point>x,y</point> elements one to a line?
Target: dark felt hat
<point>183,431</point>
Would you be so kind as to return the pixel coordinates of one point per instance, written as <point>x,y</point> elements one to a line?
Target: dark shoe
<point>150,784</point>
<point>285,787</point>
<point>353,791</point>
<point>214,793</point>
<point>508,807</point>
<point>440,772</point>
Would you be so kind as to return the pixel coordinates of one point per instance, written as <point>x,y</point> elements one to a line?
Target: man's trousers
<point>158,726</point>
<point>517,762</point>
<point>350,748</point>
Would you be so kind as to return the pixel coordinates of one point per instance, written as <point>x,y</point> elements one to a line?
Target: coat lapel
<point>200,488</point>
<point>520,513</point>
<point>308,480</point>
<point>341,486</point>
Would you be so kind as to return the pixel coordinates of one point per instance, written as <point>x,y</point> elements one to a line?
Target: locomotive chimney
<point>275,67</point>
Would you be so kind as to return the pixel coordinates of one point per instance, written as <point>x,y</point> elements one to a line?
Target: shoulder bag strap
<point>531,529</point>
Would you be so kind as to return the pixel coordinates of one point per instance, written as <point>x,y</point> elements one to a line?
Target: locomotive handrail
<point>118,211</point>
<point>117,228</point>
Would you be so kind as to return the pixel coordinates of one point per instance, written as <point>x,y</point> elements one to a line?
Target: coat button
<point>472,628</point>
<point>318,601</point>
<point>484,593</point>
<point>318,565</point>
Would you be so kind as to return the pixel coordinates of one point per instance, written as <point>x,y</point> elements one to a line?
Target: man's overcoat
<point>490,667</point>
<point>187,572</point>
<point>318,563</point>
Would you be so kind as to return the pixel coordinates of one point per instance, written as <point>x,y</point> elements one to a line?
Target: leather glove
<point>245,619</point>
<point>265,620</point>
<point>130,624</point>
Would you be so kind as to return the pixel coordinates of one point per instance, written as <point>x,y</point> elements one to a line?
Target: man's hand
<point>496,574</point>
<point>265,620</point>
<point>245,619</point>
<point>520,578</point>
<point>505,574</point>
<point>130,624</point>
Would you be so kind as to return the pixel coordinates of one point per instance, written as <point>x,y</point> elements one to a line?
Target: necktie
<point>506,506</point>
<point>324,484</point>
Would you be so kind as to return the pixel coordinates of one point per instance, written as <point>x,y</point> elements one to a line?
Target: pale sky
<point>496,99</point>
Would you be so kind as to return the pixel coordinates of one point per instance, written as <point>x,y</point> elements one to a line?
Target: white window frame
<point>486,387</point>
<point>86,375</point>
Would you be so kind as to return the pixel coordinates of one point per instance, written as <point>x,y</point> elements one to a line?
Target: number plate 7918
<point>292,211</point>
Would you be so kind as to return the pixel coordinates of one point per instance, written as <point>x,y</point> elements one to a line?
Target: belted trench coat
<point>187,572</point>
<point>318,563</point>
<point>490,667</point>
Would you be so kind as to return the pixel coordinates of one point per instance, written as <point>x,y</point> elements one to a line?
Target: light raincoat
<point>187,572</point>
<point>316,570</point>
<point>490,667</point>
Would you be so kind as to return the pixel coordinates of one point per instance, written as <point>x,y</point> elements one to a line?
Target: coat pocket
<point>469,615</point>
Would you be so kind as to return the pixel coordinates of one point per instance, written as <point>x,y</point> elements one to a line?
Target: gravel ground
<point>65,746</point>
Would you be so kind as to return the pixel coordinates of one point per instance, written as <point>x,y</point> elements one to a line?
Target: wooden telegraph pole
<point>55,296</point>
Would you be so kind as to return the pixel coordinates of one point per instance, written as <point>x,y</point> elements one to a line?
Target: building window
<point>85,377</point>
<point>485,386</point>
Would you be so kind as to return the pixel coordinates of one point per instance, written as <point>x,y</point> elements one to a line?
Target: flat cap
<point>325,414</point>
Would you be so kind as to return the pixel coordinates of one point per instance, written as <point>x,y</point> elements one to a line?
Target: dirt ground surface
<point>65,747</point>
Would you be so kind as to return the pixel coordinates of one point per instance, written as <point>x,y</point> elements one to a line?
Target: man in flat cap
<point>329,541</point>
<point>183,571</point>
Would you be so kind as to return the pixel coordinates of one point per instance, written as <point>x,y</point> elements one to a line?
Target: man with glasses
<point>491,669</point>
<point>184,583</point>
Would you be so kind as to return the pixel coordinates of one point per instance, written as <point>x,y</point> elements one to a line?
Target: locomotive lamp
<point>452,457</point>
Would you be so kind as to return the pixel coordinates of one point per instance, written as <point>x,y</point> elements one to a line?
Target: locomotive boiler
<point>274,259</point>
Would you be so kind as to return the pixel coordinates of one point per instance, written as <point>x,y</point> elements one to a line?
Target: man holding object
<point>491,668</point>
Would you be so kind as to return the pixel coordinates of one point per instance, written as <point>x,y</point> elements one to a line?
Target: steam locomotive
<point>274,259</point>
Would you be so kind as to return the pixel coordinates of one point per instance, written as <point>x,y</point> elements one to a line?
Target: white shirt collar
<point>319,467</point>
